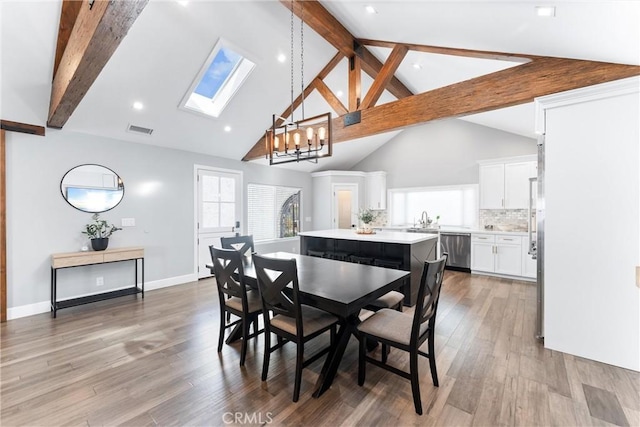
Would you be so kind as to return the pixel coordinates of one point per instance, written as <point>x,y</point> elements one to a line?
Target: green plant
<point>99,228</point>
<point>367,215</point>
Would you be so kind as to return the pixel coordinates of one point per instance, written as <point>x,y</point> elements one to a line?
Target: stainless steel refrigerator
<point>536,235</point>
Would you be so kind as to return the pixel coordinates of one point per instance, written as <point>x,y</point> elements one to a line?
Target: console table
<point>79,259</point>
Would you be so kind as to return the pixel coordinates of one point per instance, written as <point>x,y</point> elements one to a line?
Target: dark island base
<point>407,257</point>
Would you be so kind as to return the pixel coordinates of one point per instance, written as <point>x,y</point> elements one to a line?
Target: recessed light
<point>370,9</point>
<point>138,105</point>
<point>339,93</point>
<point>282,57</point>
<point>227,128</point>
<point>417,66</point>
<point>183,3</point>
<point>546,11</point>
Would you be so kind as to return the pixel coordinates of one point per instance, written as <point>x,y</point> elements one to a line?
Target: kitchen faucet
<point>424,219</point>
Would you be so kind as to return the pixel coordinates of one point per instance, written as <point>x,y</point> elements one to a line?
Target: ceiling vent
<point>139,129</point>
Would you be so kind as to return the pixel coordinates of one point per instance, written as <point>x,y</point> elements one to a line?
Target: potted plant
<point>99,231</point>
<point>367,216</point>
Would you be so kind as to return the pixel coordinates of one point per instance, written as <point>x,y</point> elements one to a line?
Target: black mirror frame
<point>121,183</point>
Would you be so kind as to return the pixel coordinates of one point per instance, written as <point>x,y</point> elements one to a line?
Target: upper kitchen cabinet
<point>376,185</point>
<point>504,183</point>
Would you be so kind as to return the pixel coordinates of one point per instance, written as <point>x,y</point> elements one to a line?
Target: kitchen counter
<point>400,237</point>
<point>406,251</point>
<point>453,230</point>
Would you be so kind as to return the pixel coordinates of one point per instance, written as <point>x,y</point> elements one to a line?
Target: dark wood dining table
<point>338,287</point>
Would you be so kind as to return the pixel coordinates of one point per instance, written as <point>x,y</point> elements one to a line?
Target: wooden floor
<point>154,362</point>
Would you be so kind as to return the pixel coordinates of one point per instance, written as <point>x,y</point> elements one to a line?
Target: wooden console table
<point>78,259</point>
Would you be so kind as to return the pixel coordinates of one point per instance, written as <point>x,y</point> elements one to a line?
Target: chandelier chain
<point>302,57</point>
<point>291,61</point>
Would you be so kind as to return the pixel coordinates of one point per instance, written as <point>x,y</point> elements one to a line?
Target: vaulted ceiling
<point>167,44</point>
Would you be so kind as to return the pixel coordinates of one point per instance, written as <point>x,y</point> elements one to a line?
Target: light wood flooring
<point>154,362</point>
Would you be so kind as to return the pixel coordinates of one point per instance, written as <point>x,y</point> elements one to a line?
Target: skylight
<point>219,79</point>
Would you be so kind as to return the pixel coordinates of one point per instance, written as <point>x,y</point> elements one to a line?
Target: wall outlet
<point>128,222</point>
<point>100,281</point>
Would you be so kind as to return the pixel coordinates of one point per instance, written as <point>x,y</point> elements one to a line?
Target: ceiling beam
<point>325,24</point>
<point>21,127</point>
<point>355,82</point>
<point>384,77</point>
<point>68,16</point>
<point>330,97</point>
<point>98,30</point>
<point>513,86</point>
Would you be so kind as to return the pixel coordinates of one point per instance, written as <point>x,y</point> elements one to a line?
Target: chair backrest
<point>274,277</point>
<point>229,273</point>
<point>428,296</point>
<point>243,244</point>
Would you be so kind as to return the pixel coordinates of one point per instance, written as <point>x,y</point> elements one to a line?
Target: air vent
<point>139,129</point>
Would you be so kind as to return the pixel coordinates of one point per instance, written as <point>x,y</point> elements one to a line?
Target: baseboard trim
<point>504,276</point>
<point>45,306</point>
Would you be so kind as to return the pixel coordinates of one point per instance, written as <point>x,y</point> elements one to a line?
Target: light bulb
<point>309,133</point>
<point>276,142</point>
<point>296,139</point>
<point>321,133</point>
<point>286,140</point>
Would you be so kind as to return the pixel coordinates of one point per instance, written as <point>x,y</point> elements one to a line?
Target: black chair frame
<point>280,299</point>
<point>425,311</point>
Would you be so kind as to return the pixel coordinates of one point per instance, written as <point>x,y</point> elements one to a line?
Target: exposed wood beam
<point>355,82</point>
<point>505,88</point>
<point>326,25</point>
<point>97,33</point>
<point>330,97</point>
<point>68,16</point>
<point>3,230</point>
<point>22,127</point>
<point>452,51</point>
<point>384,77</point>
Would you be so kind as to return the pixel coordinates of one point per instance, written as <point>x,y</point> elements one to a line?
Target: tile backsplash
<point>515,219</point>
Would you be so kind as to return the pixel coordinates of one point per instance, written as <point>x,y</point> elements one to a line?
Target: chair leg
<point>399,307</point>
<point>299,363</point>
<point>332,336</point>
<point>385,352</point>
<point>415,381</point>
<point>222,325</point>
<point>267,352</point>
<point>245,334</point>
<point>432,361</point>
<point>362,354</point>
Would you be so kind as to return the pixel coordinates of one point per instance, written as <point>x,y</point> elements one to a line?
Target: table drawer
<point>509,240</point>
<point>483,238</point>
<point>123,255</point>
<point>71,261</point>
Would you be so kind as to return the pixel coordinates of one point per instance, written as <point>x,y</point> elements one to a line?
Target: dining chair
<point>285,316</point>
<point>234,296</point>
<point>243,244</point>
<point>407,332</point>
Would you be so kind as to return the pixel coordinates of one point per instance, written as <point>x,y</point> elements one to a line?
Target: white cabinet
<point>376,184</point>
<point>505,185</point>
<point>499,254</point>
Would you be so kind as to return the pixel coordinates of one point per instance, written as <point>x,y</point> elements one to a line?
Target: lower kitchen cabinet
<point>529,265</point>
<point>499,254</point>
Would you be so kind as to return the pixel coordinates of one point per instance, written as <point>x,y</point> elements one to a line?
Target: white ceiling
<point>159,58</point>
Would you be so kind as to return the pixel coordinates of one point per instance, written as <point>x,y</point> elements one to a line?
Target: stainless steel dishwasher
<point>458,246</point>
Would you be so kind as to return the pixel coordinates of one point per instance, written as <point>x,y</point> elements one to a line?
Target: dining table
<point>338,287</point>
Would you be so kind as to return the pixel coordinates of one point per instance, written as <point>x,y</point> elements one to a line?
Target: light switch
<point>128,222</point>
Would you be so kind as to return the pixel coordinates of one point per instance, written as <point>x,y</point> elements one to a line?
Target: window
<point>222,75</point>
<point>456,205</point>
<point>273,211</point>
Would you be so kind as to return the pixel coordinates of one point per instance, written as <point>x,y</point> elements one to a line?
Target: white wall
<point>592,229</point>
<point>158,194</point>
<point>443,152</point>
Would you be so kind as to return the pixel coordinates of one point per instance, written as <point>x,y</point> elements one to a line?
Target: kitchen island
<point>405,251</point>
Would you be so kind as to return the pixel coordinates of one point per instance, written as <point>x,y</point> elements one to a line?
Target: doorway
<point>344,206</point>
<point>218,210</point>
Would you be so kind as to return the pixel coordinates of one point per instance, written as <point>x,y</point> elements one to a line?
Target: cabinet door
<point>482,257</point>
<point>508,259</point>
<point>492,186</point>
<point>377,190</point>
<point>516,184</point>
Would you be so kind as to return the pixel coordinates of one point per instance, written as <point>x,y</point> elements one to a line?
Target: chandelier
<point>308,139</point>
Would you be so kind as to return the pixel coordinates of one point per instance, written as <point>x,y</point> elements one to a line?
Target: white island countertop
<point>380,236</point>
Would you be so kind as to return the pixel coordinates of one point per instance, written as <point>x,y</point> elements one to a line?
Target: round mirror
<point>92,188</point>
